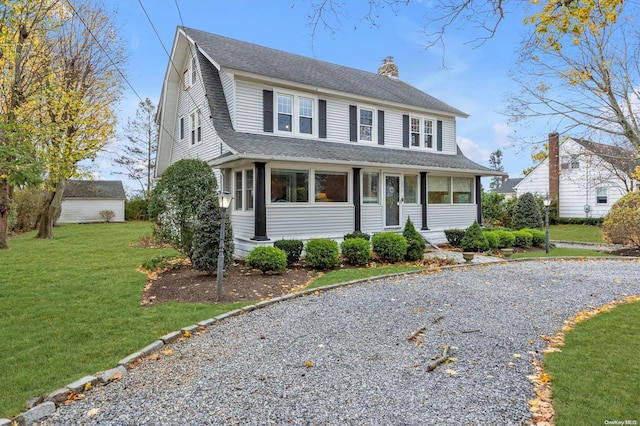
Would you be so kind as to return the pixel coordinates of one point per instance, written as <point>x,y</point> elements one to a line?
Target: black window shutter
<point>380,127</point>
<point>322,118</point>
<point>405,130</point>
<point>353,123</point>
<point>439,136</point>
<point>267,111</point>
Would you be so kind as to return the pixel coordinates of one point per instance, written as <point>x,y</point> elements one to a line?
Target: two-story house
<point>313,149</point>
<point>586,177</point>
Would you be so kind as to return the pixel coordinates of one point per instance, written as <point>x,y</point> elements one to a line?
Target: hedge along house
<point>313,149</point>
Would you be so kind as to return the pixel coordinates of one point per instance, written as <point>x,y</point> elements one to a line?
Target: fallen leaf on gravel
<point>186,334</point>
<point>308,364</point>
<point>87,386</point>
<point>93,412</point>
<point>517,356</point>
<point>154,357</point>
<point>116,376</point>
<point>168,352</point>
<point>451,372</point>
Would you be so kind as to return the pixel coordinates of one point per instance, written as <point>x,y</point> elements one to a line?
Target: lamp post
<point>547,203</point>
<point>224,199</point>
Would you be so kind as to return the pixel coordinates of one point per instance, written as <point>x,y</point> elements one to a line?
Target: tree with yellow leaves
<point>72,118</point>
<point>24,29</point>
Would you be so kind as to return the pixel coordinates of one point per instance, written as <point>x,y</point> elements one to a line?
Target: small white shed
<point>83,201</point>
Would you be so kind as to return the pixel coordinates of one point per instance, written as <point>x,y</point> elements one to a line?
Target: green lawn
<point>71,307</point>
<point>346,275</point>
<point>596,377</point>
<point>560,252</point>
<point>581,233</point>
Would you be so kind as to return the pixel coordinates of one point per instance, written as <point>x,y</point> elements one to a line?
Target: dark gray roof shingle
<point>622,159</point>
<point>507,186</point>
<point>262,146</point>
<point>243,56</point>
<point>108,189</point>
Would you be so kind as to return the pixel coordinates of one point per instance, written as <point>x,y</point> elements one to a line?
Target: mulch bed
<point>184,284</point>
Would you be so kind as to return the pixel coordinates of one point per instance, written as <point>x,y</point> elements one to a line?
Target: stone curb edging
<point>47,405</point>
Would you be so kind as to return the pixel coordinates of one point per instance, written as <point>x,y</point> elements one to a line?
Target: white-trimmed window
<point>196,127</point>
<point>305,115</point>
<point>331,187</point>
<point>415,131</point>
<point>411,189</point>
<point>370,187</point>
<point>570,162</point>
<point>365,125</point>
<point>422,132</point>
<point>185,79</point>
<point>462,190</point>
<point>285,113</point>
<point>289,186</point>
<point>602,196</point>
<point>194,71</point>
<point>243,189</point>
<point>450,190</point>
<point>181,128</point>
<point>428,133</point>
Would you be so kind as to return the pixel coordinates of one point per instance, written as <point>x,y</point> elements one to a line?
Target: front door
<point>392,200</point>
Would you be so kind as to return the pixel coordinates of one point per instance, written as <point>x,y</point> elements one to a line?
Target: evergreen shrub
<point>538,237</point>
<point>492,239</point>
<point>389,246</point>
<point>357,234</point>
<point>474,239</point>
<point>357,251</point>
<point>416,245</point>
<point>267,259</point>
<point>322,253</point>
<point>622,223</point>
<point>292,248</point>
<point>454,236</point>
<point>506,239</point>
<point>522,239</point>
<point>526,214</point>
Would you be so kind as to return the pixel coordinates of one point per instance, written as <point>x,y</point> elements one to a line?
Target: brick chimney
<point>388,68</point>
<point>554,166</point>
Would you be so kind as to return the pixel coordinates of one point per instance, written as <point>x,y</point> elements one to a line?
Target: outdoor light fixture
<point>224,200</point>
<point>547,202</point>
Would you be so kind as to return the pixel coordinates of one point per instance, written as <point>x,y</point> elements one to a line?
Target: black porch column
<point>423,199</point>
<point>260,219</point>
<point>479,200</point>
<point>357,222</point>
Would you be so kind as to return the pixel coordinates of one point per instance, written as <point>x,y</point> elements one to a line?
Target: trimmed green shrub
<point>522,239</point>
<point>292,248</point>
<point>595,221</point>
<point>506,239</point>
<point>474,239</point>
<point>267,259</point>
<point>416,245</point>
<point>622,223</point>
<point>492,239</point>
<point>357,234</point>
<point>206,237</point>
<point>322,253</point>
<point>526,213</point>
<point>391,247</point>
<point>357,251</point>
<point>454,236</point>
<point>538,237</point>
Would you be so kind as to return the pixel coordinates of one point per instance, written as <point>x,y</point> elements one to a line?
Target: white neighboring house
<point>83,201</point>
<point>586,177</point>
<point>313,149</point>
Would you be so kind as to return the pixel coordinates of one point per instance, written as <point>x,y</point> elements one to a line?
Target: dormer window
<point>295,114</point>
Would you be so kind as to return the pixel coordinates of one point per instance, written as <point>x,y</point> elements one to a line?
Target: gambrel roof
<point>248,57</point>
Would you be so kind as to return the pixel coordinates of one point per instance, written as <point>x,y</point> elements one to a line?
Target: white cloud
<point>501,132</point>
<point>473,151</point>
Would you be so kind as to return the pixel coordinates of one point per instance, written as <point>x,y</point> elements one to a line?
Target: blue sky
<point>474,80</point>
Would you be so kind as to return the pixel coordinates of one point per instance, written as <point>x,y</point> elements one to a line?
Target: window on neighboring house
<point>238,190</point>
<point>601,196</point>
<point>331,187</point>
<point>305,112</point>
<point>366,125</point>
<point>291,186</point>
<point>248,189</point>
<point>181,128</point>
<point>439,190</point>
<point>570,162</point>
<point>411,189</point>
<point>194,73</point>
<point>285,113</point>
<point>462,190</point>
<point>428,133</point>
<point>415,131</point>
<point>370,185</point>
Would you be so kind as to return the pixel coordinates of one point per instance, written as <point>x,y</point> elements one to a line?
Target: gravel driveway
<point>360,367</point>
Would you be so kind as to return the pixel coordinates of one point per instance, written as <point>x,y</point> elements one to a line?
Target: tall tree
<point>72,118</point>
<point>138,156</point>
<point>24,51</point>
<point>585,82</point>
<point>495,162</point>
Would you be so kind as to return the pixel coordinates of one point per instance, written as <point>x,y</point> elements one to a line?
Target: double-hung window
<point>428,133</point>
<point>415,131</point>
<point>196,127</point>
<point>366,125</point>
<point>422,132</point>
<point>601,196</point>
<point>181,128</point>
<point>243,186</point>
<point>305,113</point>
<point>285,113</point>
<point>194,72</point>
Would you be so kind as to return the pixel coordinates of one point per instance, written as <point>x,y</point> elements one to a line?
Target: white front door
<point>392,204</point>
